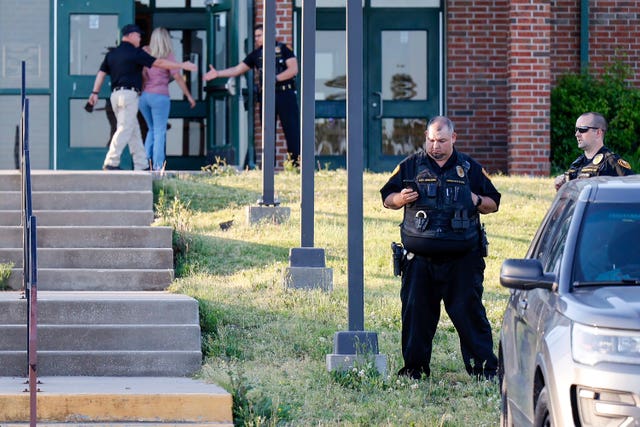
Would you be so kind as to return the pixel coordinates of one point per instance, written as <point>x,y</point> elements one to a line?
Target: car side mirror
<point>526,274</point>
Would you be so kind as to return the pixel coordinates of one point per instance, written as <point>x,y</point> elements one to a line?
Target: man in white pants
<point>124,64</point>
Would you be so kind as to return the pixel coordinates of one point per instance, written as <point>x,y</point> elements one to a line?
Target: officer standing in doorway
<point>443,193</point>
<point>287,109</point>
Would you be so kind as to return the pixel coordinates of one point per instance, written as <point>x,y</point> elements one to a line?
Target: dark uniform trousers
<point>289,114</point>
<point>458,282</point>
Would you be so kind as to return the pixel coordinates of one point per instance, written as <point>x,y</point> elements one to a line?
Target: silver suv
<point>569,351</point>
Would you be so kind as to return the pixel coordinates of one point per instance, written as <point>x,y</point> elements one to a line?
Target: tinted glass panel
<point>404,65</point>
<point>24,44</point>
<point>91,129</point>
<point>331,66</point>
<point>401,137</point>
<point>605,248</point>
<point>331,137</point>
<point>91,37</point>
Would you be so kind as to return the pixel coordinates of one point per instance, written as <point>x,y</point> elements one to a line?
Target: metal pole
<point>308,112</point>
<point>355,272</point>
<point>268,102</point>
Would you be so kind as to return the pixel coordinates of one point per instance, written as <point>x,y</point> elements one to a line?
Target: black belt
<point>288,86</point>
<point>117,88</point>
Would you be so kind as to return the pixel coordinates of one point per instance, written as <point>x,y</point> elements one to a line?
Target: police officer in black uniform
<point>443,191</point>
<point>597,159</point>
<point>287,109</point>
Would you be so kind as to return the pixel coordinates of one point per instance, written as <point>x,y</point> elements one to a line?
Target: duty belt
<point>288,86</point>
<point>117,88</point>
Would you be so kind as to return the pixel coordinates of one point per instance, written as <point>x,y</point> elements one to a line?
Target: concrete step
<point>50,180</point>
<point>116,401</point>
<point>103,337</point>
<point>141,363</point>
<point>103,334</point>
<point>79,308</point>
<point>80,217</point>
<point>116,258</point>
<point>87,279</point>
<point>61,200</point>
<point>90,237</point>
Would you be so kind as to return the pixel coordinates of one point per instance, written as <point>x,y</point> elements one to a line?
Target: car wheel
<point>542,417</point>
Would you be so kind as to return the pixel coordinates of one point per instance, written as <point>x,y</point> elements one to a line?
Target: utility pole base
<point>271,214</point>
<point>356,349</point>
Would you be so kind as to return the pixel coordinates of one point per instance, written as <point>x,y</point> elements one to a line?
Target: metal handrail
<point>29,256</point>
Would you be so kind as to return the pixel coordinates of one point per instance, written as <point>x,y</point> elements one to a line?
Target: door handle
<point>230,85</point>
<point>375,104</point>
<point>523,304</point>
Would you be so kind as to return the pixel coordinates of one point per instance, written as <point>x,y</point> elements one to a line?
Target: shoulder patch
<point>396,170</point>
<point>597,159</point>
<point>486,174</point>
<point>624,163</point>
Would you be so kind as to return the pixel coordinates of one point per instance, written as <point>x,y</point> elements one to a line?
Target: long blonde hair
<point>160,44</point>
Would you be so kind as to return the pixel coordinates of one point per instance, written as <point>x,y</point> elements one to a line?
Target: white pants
<point>125,107</point>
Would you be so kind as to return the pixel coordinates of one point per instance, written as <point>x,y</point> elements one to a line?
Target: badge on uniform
<point>278,49</point>
<point>460,171</point>
<point>624,163</point>
<point>597,159</point>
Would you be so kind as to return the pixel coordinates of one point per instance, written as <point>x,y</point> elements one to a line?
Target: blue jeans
<point>155,110</point>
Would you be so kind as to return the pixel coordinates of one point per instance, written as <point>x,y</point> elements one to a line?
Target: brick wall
<point>529,87</point>
<point>284,34</point>
<point>477,78</point>
<point>615,33</point>
<point>502,59</point>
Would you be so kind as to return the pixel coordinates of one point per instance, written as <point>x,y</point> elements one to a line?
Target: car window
<point>606,247</point>
<point>550,239</point>
<point>557,247</point>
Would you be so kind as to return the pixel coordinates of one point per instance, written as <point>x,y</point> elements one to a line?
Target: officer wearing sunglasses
<point>597,159</point>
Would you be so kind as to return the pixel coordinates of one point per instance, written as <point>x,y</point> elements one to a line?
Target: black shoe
<point>111,168</point>
<point>415,374</point>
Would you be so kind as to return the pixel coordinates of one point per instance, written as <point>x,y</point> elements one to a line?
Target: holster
<point>398,258</point>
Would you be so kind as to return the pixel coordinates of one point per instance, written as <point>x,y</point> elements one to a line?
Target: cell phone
<point>88,107</point>
<point>410,183</point>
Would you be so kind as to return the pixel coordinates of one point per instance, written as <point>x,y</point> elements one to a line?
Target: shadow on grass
<point>219,256</point>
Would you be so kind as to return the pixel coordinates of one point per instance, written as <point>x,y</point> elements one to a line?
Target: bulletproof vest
<point>280,62</point>
<point>584,168</point>
<point>444,219</point>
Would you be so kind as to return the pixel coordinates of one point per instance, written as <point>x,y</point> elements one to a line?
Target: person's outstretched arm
<point>241,68</point>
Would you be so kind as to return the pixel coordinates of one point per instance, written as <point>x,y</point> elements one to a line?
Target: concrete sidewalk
<point>112,401</point>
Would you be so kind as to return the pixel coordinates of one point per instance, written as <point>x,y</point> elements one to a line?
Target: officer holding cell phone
<point>443,192</point>
<point>597,159</point>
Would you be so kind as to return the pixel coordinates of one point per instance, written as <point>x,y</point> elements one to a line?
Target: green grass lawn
<point>267,344</point>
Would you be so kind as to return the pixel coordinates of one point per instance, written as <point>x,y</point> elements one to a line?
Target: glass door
<point>222,96</point>
<point>186,147</point>
<point>403,82</point>
<point>86,30</point>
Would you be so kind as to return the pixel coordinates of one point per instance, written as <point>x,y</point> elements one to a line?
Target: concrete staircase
<point>103,314</point>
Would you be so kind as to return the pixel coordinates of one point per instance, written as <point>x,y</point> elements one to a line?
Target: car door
<point>531,309</point>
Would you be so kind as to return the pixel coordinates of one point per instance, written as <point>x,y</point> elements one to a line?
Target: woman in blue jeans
<point>155,102</point>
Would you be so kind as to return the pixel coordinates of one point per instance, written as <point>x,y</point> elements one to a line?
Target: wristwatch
<point>478,201</point>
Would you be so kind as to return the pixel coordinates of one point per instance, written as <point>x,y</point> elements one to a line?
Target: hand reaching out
<point>211,74</point>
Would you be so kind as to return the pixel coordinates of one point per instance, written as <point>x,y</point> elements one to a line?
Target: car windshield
<point>606,250</point>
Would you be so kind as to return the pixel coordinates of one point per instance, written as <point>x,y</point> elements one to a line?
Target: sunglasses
<point>584,129</point>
